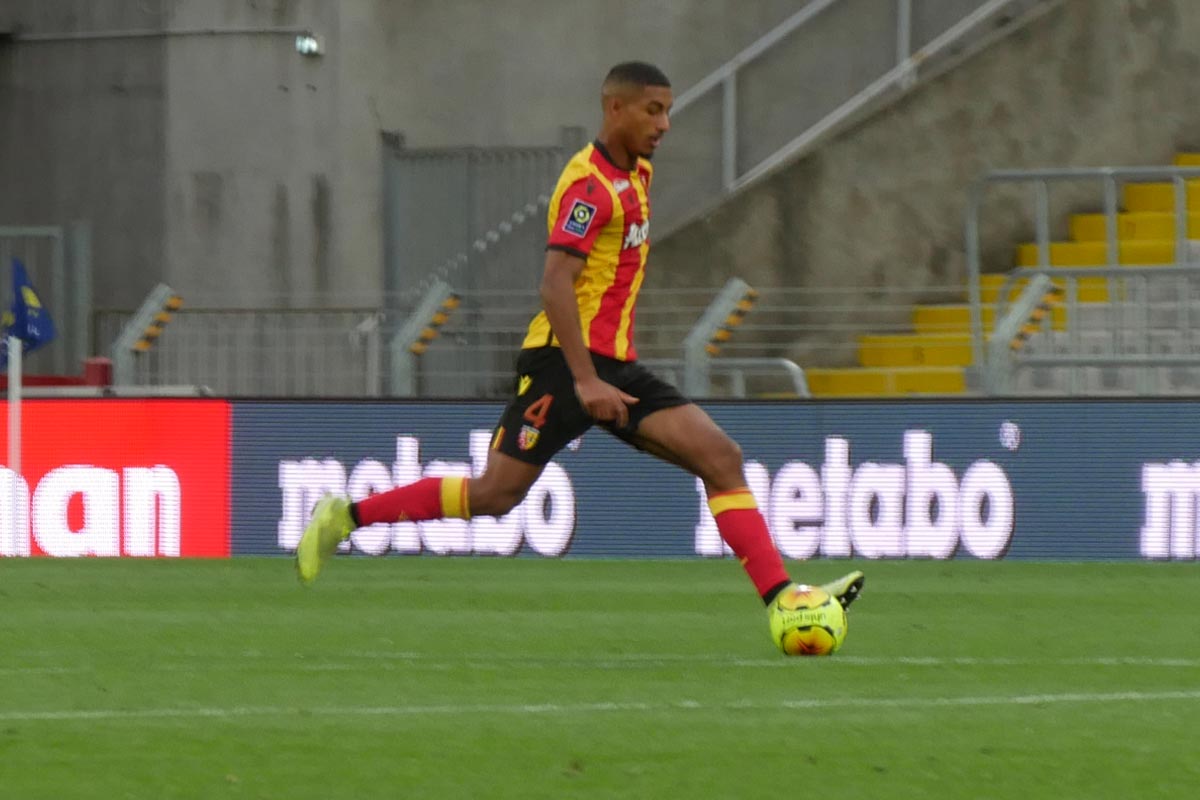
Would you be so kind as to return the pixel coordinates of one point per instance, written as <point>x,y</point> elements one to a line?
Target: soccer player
<point>578,365</point>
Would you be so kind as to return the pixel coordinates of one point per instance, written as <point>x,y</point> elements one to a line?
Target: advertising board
<point>118,478</point>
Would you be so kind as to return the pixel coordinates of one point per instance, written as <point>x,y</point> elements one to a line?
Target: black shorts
<point>545,414</point>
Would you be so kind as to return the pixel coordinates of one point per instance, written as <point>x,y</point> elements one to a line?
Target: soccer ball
<point>807,621</point>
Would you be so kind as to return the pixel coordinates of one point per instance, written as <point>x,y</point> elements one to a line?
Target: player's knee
<point>493,500</point>
<point>724,464</point>
<point>729,455</point>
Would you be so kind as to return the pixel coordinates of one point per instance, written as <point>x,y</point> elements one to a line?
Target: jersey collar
<point>608,157</point>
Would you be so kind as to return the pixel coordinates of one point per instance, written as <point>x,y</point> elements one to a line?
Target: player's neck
<point>615,152</point>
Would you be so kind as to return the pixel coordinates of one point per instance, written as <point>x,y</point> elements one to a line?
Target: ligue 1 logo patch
<point>580,218</point>
<point>527,439</point>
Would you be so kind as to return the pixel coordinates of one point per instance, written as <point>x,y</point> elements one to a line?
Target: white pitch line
<point>631,661</point>
<point>534,709</point>
<point>664,659</point>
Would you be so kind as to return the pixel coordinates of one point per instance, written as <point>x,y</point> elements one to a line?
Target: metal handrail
<point>901,77</point>
<point>751,52</point>
<point>736,368</point>
<point>1039,180</point>
<point>1129,322</point>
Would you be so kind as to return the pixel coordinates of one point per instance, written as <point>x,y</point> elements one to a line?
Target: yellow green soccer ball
<point>807,621</point>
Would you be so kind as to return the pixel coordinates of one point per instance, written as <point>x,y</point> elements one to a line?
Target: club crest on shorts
<point>527,439</point>
<point>580,218</point>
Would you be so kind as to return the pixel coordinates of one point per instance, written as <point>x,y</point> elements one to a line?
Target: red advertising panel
<point>118,478</point>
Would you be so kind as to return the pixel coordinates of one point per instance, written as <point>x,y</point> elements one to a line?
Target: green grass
<point>535,679</point>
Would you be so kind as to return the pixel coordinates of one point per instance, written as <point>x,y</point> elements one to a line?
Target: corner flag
<point>27,320</point>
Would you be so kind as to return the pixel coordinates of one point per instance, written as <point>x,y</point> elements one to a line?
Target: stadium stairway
<point>933,357</point>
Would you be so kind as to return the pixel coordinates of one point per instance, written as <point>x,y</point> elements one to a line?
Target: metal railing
<point>467,214</point>
<point>827,65</point>
<point>260,352</point>
<point>470,215</point>
<point>730,375</point>
<point>59,262</point>
<point>344,352</point>
<point>1038,182</point>
<point>1120,330</point>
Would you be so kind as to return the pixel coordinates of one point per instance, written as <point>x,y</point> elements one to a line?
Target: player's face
<point>647,119</point>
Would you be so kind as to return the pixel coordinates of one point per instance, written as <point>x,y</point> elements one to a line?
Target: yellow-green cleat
<point>330,524</point>
<point>846,588</point>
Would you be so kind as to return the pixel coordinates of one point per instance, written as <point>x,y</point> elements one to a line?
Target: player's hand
<point>604,402</point>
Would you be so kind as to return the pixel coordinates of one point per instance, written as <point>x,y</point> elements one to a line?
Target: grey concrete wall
<point>882,206</point>
<point>253,175</point>
<point>246,175</point>
<point>81,135</point>
<point>483,72</point>
<point>479,72</point>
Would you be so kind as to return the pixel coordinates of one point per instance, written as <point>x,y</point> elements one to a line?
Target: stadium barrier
<point>340,352</point>
<point>985,479</point>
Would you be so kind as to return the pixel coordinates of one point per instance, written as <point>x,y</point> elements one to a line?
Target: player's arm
<point>601,400</point>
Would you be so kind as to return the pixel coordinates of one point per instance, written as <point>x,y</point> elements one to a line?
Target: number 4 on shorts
<point>537,412</point>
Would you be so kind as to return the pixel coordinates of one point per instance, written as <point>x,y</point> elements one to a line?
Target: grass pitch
<point>534,679</point>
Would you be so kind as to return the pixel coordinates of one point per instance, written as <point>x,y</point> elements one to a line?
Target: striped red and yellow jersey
<point>601,213</point>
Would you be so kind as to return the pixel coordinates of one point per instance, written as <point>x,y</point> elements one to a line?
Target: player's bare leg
<point>503,485</point>
<point>687,437</point>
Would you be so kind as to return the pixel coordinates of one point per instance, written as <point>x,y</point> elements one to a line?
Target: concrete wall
<point>478,72</point>
<point>81,134</point>
<point>254,164</point>
<point>882,206</point>
<point>246,175</point>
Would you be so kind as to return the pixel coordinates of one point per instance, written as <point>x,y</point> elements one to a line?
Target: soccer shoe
<point>846,588</point>
<point>330,524</point>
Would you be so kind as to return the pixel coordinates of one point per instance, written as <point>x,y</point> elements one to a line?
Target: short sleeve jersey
<point>601,213</point>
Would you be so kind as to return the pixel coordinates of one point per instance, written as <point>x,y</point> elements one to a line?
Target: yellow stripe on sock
<point>454,498</point>
<point>729,501</point>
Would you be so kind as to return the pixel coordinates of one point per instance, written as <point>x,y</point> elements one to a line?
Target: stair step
<point>1143,225</point>
<point>1088,290</point>
<point>1159,196</point>
<point>956,318</point>
<point>885,382</point>
<point>1094,254</point>
<point>914,350</point>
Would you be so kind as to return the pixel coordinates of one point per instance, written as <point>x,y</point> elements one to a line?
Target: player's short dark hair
<point>636,73</point>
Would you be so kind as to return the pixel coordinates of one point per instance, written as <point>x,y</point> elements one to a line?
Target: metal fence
<point>1127,328</point>
<point>58,259</point>
<point>470,215</point>
<point>343,352</point>
<point>1131,331</point>
<point>260,352</point>
<point>828,65</point>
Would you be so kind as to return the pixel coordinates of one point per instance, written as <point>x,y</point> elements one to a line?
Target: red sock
<point>428,498</point>
<point>744,529</point>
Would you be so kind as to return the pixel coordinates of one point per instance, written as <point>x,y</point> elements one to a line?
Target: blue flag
<point>27,320</point>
